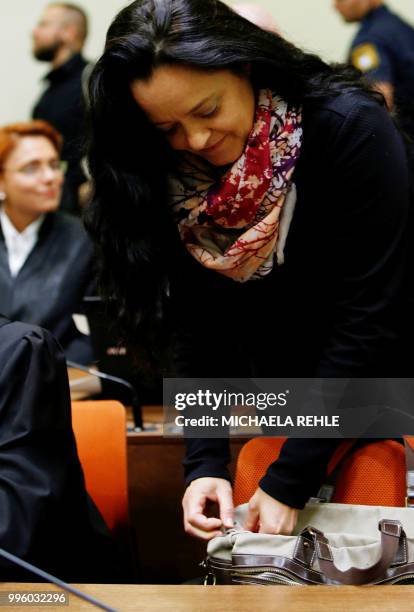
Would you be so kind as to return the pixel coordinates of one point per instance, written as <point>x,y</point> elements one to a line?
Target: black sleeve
<point>206,457</point>
<point>371,242</point>
<point>370,167</point>
<point>47,517</point>
<point>203,456</point>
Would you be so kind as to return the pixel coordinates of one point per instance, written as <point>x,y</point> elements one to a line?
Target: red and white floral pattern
<point>232,225</point>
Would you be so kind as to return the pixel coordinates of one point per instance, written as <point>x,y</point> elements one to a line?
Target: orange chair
<point>254,458</point>
<point>372,475</point>
<point>100,432</point>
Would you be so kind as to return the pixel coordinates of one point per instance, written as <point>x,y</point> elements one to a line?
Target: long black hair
<point>129,159</point>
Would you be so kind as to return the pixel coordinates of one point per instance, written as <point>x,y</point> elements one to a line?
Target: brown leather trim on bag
<point>324,552</point>
<point>390,527</point>
<point>262,561</point>
<point>220,569</point>
<point>397,572</point>
<point>214,561</point>
<point>305,549</point>
<point>391,532</point>
<point>303,575</point>
<point>402,553</point>
<point>222,576</point>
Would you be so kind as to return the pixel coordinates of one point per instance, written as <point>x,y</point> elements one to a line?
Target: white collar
<point>19,244</point>
<point>11,233</point>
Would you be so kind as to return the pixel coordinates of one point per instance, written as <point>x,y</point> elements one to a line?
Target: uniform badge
<point>365,57</point>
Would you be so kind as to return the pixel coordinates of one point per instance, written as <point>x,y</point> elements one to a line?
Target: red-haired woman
<point>45,256</point>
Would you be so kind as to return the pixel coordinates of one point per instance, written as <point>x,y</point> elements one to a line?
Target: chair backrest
<point>100,432</point>
<point>373,475</point>
<point>254,458</point>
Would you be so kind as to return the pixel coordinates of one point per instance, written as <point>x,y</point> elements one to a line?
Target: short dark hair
<point>81,15</point>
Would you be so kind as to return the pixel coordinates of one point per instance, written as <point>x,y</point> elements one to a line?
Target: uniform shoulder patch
<point>365,57</point>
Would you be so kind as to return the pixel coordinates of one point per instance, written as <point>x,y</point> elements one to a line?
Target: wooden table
<point>82,384</point>
<point>183,598</point>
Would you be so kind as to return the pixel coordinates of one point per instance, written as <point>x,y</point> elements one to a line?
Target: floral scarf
<point>236,224</point>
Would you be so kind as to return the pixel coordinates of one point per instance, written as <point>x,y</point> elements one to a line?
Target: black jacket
<point>62,104</point>
<point>387,41</point>
<point>331,310</point>
<point>49,287</point>
<point>46,515</point>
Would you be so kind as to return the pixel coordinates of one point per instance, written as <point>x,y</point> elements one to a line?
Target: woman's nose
<point>197,138</point>
<point>49,174</point>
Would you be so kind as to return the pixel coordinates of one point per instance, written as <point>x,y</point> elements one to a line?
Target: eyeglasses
<point>36,168</point>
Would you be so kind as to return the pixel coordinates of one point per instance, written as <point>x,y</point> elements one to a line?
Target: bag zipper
<point>210,577</point>
<point>274,575</point>
<point>275,578</point>
<point>285,576</point>
<point>278,576</point>
<point>404,579</point>
<point>397,580</point>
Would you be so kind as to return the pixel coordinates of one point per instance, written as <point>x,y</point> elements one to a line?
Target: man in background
<point>383,50</point>
<point>58,39</point>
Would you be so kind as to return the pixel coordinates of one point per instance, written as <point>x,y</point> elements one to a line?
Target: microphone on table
<point>49,578</point>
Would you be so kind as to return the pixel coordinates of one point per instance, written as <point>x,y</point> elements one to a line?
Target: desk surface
<point>82,384</point>
<point>183,598</point>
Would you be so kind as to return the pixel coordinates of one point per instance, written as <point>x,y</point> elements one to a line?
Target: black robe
<point>47,517</point>
<point>49,287</point>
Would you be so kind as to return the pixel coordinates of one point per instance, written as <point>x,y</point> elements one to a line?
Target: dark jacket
<point>62,104</point>
<point>331,310</point>
<point>383,49</point>
<point>49,287</point>
<point>47,517</point>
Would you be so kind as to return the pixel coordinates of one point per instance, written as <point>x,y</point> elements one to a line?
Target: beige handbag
<point>332,544</point>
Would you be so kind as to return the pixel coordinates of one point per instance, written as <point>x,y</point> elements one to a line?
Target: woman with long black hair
<point>252,201</point>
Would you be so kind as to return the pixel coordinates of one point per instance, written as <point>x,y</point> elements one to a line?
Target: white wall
<point>311,24</point>
<point>316,26</point>
<point>21,75</point>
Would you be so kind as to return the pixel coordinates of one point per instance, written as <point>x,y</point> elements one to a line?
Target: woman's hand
<point>195,499</point>
<point>267,515</point>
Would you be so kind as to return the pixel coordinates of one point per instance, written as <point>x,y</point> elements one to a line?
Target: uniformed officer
<point>383,50</point>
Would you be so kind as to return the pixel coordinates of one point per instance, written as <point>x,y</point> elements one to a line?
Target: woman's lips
<point>214,146</point>
<point>51,193</point>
